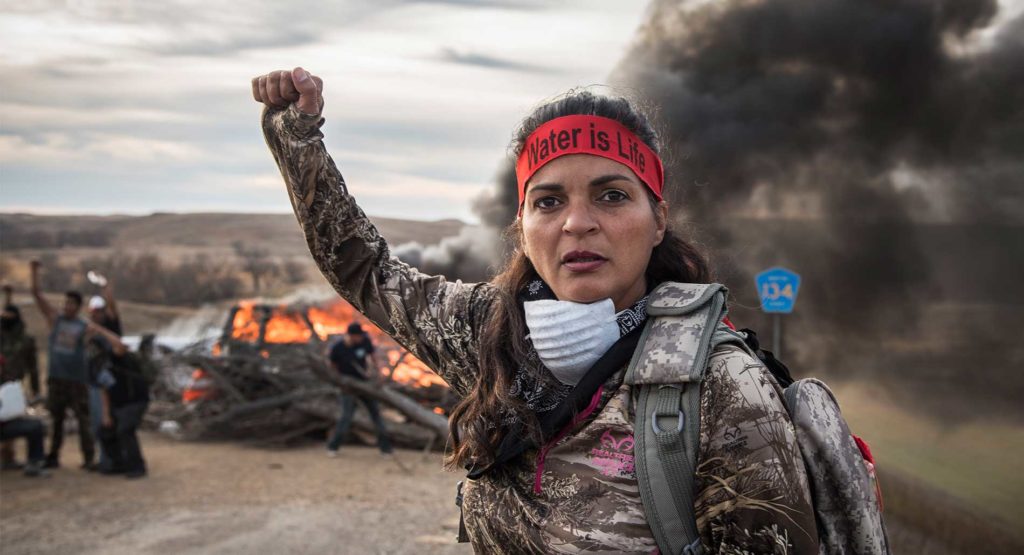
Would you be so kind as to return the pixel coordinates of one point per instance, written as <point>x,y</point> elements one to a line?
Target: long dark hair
<point>503,344</point>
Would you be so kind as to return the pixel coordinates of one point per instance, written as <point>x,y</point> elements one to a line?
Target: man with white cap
<point>102,308</point>
<point>103,312</point>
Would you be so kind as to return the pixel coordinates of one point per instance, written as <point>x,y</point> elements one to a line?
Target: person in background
<point>34,432</point>
<point>124,396</point>
<point>67,373</point>
<point>103,312</point>
<point>352,356</point>
<point>18,352</point>
<point>103,308</point>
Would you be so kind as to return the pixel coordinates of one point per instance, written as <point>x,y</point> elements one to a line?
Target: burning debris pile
<point>266,379</point>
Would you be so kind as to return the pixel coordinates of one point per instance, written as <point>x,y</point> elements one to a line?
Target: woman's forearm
<point>344,243</point>
<point>434,318</point>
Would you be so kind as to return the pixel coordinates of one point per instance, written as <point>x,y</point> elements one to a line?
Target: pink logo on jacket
<point>615,456</point>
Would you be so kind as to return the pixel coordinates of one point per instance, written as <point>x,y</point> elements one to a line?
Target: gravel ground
<point>231,498</point>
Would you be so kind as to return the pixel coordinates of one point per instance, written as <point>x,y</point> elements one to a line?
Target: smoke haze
<point>468,256</point>
<point>874,147</point>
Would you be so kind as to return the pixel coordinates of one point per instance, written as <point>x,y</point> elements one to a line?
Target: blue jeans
<point>96,419</point>
<point>348,410</point>
<point>121,441</point>
<point>32,429</point>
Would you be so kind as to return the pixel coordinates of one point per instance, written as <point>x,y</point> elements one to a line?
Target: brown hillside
<point>277,232</point>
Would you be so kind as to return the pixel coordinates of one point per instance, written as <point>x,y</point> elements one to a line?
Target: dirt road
<point>230,498</point>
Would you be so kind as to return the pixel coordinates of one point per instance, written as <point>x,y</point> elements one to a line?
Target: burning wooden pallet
<point>267,380</point>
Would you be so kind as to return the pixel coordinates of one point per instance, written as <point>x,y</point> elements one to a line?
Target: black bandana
<point>628,319</point>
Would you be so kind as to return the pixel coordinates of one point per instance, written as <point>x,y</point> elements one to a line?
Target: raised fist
<point>278,89</point>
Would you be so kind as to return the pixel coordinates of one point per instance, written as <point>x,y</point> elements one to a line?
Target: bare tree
<point>256,262</point>
<point>146,278</point>
<point>55,277</point>
<point>294,272</point>
<point>200,279</point>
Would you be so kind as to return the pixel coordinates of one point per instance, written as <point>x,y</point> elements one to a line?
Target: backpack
<point>140,366</point>
<point>683,329</point>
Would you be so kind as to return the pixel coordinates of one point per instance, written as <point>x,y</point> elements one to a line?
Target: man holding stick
<point>350,357</point>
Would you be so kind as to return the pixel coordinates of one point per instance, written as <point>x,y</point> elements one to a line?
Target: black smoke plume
<point>834,137</point>
<point>876,147</point>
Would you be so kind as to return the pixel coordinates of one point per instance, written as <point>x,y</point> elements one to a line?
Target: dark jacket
<point>19,352</point>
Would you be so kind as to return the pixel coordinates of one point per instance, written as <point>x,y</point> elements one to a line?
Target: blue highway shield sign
<point>777,288</point>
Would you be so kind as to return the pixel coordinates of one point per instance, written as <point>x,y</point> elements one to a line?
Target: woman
<point>592,239</point>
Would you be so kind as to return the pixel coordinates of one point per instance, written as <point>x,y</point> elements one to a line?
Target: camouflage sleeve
<point>438,320</point>
<point>753,489</point>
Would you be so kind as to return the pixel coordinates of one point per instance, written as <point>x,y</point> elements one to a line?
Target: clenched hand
<point>278,89</point>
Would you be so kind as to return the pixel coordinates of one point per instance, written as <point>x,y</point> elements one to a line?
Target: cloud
<point>92,148</point>
<point>522,5</point>
<point>123,105</point>
<point>24,116</point>
<point>211,42</point>
<point>489,62</point>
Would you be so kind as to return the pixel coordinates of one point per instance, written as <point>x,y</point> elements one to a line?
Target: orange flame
<point>198,388</point>
<point>283,326</point>
<point>287,325</point>
<point>409,369</point>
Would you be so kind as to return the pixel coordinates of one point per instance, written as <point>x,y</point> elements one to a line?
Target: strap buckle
<point>673,399</point>
<point>658,430</point>
<point>695,548</point>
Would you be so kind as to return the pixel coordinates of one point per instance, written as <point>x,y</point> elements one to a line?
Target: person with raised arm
<point>540,356</point>
<point>103,307</point>
<point>67,369</point>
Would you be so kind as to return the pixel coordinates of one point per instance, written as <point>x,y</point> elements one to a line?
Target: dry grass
<point>947,488</point>
<point>187,234</point>
<point>922,519</point>
<point>175,238</point>
<point>136,318</point>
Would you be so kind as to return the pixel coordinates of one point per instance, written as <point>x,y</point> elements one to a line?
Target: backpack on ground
<point>683,329</point>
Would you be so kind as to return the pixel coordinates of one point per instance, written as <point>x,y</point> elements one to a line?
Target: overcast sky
<point>135,107</point>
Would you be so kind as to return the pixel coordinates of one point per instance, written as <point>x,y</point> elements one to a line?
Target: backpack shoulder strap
<point>674,338</point>
<point>665,373</point>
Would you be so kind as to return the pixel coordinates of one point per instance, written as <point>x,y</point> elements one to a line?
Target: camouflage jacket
<point>577,494</point>
<point>19,352</point>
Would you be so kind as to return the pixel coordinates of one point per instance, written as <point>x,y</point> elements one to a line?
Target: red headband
<point>588,135</point>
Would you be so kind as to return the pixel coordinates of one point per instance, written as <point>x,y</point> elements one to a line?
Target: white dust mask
<point>570,337</point>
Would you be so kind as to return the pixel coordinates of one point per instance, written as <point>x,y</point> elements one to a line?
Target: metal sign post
<point>777,288</point>
<point>777,334</point>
